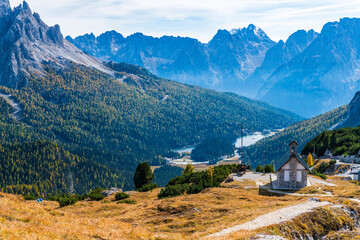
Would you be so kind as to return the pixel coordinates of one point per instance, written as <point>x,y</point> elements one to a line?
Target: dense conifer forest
<point>345,141</point>
<point>127,119</point>
<point>44,168</point>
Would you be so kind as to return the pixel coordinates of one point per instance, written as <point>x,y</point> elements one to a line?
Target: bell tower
<point>293,147</point>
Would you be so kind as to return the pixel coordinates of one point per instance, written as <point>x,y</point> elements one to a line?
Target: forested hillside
<point>44,168</point>
<point>345,141</point>
<point>125,120</point>
<point>274,147</point>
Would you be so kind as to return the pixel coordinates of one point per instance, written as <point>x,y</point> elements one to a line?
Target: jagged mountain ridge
<point>325,75</point>
<point>26,41</point>
<point>278,55</point>
<point>222,64</point>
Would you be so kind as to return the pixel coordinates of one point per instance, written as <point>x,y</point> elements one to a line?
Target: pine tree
<point>143,175</point>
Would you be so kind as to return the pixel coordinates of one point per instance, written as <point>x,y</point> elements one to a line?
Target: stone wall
<point>292,183</point>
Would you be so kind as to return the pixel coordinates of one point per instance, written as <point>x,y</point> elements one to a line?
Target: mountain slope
<point>278,55</point>
<point>324,76</point>
<point>44,168</point>
<point>223,64</point>
<point>275,146</point>
<point>26,41</point>
<point>352,118</point>
<point>344,141</point>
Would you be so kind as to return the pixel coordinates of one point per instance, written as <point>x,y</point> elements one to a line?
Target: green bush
<point>173,191</point>
<point>315,173</point>
<point>121,196</point>
<point>128,201</point>
<point>147,187</point>
<point>96,195</point>
<point>67,200</point>
<point>195,182</point>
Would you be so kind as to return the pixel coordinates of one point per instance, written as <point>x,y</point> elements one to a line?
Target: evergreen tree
<point>143,175</point>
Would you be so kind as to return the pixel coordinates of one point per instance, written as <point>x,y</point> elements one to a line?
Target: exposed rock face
<point>279,54</point>
<point>223,64</point>
<point>322,77</point>
<point>110,191</point>
<point>353,113</point>
<point>26,41</point>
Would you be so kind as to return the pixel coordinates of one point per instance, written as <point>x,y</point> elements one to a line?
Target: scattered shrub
<point>173,191</point>
<point>147,187</point>
<point>195,182</point>
<point>128,201</point>
<point>315,173</point>
<point>121,195</point>
<point>67,200</point>
<point>96,195</point>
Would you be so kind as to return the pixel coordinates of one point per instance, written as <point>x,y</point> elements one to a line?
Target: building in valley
<point>291,170</point>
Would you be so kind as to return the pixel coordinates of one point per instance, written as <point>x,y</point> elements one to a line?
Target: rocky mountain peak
<point>27,41</point>
<point>251,33</point>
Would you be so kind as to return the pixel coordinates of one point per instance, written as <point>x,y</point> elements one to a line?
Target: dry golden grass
<point>185,217</point>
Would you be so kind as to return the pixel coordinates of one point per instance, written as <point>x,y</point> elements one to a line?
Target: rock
<point>110,191</point>
<point>312,199</point>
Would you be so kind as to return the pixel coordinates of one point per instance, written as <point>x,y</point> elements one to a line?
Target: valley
<point>137,137</point>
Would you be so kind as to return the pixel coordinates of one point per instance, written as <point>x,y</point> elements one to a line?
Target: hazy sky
<point>194,18</point>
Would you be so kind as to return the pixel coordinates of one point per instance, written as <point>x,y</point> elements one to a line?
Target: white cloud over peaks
<point>194,18</point>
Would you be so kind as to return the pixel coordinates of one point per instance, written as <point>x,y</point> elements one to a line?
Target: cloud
<point>194,18</point>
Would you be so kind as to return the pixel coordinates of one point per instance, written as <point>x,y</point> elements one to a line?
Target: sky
<point>190,18</point>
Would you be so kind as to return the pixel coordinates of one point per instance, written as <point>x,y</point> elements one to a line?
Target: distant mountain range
<point>223,64</point>
<point>311,73</point>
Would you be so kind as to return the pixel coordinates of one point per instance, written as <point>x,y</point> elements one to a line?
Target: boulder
<point>110,191</point>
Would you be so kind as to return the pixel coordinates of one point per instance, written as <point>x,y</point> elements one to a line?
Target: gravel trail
<point>276,217</point>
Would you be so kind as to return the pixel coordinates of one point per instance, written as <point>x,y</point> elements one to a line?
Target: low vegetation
<point>194,182</point>
<point>121,196</point>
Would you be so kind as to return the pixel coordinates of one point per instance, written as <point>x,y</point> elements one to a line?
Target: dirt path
<point>17,110</point>
<point>276,217</point>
